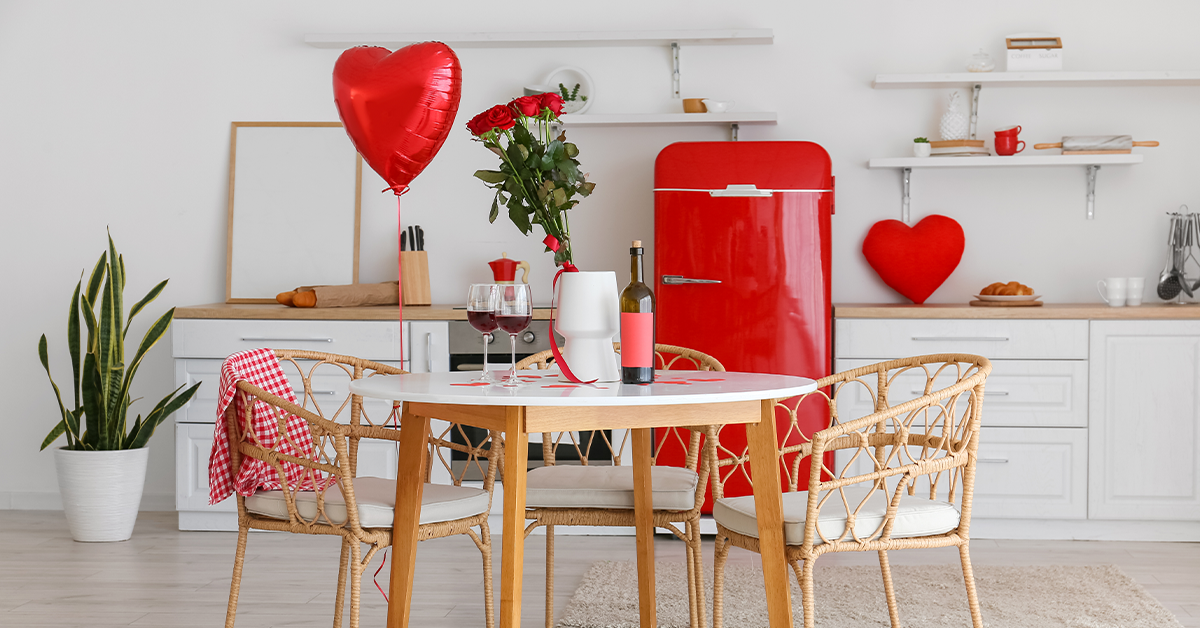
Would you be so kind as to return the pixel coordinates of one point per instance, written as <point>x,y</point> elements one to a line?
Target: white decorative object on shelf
<point>980,62</point>
<point>717,106</point>
<point>954,125</point>
<point>922,149</point>
<point>574,81</point>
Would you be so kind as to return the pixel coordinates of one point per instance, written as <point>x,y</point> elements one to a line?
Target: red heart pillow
<point>917,260</point>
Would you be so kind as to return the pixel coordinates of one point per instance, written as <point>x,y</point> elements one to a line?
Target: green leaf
<point>492,215</point>
<point>167,406</point>
<point>73,338</point>
<point>568,169</point>
<point>490,176</point>
<point>54,434</point>
<point>96,278</point>
<point>560,255</point>
<point>519,215</point>
<point>572,150</point>
<point>522,135</point>
<point>95,436</point>
<point>137,307</point>
<point>560,197</point>
<point>586,188</point>
<point>43,355</point>
<point>152,336</point>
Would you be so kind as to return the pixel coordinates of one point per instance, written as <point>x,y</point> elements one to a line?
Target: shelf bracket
<point>906,198</point>
<point>975,108</point>
<point>1091,191</point>
<point>675,68</point>
<point>733,131</point>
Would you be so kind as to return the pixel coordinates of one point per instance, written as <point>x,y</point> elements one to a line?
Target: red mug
<point>1008,145</point>
<point>1011,131</point>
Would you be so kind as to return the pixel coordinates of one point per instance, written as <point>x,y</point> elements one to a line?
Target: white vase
<point>101,491</point>
<point>921,149</point>
<point>588,317</point>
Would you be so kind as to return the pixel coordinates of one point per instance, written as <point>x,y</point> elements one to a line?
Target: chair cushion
<point>577,486</point>
<point>916,516</point>
<point>376,499</point>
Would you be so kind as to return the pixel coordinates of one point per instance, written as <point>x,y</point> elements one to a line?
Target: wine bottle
<point>637,324</point>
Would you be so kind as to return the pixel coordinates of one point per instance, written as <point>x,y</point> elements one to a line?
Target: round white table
<point>544,404</point>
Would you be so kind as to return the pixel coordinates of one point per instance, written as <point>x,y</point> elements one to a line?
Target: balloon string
<point>375,578</point>
<point>552,243</point>
<point>400,280</point>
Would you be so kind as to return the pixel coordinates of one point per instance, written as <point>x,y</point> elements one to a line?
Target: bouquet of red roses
<point>538,177</point>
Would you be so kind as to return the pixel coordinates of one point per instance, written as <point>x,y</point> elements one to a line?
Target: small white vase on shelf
<point>954,124</point>
<point>588,317</point>
<point>921,149</point>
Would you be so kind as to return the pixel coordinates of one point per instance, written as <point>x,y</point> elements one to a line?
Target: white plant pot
<point>921,149</point>
<point>101,491</point>
<point>588,317</point>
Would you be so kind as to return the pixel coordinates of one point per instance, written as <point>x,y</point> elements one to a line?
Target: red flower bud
<point>526,106</point>
<point>553,102</point>
<point>479,125</point>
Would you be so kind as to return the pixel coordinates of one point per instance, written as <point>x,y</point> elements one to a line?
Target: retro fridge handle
<point>678,280</point>
<point>740,190</point>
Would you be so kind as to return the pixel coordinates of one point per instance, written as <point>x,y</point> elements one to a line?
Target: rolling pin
<point>1095,144</point>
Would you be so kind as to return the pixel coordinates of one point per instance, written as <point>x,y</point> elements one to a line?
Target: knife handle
<point>1054,145</point>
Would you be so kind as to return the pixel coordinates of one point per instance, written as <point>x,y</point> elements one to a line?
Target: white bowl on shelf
<point>570,76</point>
<point>717,106</point>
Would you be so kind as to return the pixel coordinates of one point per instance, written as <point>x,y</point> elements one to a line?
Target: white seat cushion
<point>376,499</point>
<point>916,516</point>
<point>577,486</point>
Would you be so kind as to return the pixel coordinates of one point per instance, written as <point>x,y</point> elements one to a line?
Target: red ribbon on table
<point>553,244</point>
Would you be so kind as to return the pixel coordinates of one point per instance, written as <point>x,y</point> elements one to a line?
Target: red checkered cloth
<point>261,368</point>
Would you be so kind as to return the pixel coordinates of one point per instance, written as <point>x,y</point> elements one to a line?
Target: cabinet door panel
<point>193,442</point>
<point>1019,393</point>
<point>1144,413</point>
<point>1015,339</point>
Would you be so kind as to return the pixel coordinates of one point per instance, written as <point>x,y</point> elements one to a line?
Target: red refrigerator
<point>742,266</point>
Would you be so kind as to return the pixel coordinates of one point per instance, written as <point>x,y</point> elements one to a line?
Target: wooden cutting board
<point>978,303</point>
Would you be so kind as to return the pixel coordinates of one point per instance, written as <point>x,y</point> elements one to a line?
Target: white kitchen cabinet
<point>1145,420</point>
<point>199,345</point>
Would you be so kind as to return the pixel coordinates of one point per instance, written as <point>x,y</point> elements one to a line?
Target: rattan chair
<point>860,503</point>
<point>558,495</point>
<point>359,509</point>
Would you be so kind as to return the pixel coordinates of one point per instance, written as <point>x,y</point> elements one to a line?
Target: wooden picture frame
<point>295,209</point>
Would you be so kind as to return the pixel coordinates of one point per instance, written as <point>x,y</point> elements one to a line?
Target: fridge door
<point>742,265</point>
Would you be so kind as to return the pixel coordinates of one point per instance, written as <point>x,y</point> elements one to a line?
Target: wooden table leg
<point>512,550</point>
<point>768,505</point>
<point>410,481</point>
<point>643,515</point>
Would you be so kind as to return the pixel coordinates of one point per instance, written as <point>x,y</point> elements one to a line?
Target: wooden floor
<point>163,577</point>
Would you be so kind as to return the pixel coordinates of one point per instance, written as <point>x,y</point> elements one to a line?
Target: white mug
<point>1133,290</point>
<point>1113,291</point>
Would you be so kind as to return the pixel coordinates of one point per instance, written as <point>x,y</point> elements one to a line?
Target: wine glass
<point>513,313</point>
<point>482,303</point>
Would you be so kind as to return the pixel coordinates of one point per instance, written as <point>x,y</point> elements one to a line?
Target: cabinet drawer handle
<point>320,392</point>
<point>996,460</point>
<point>961,338</point>
<point>986,393</point>
<point>270,339</point>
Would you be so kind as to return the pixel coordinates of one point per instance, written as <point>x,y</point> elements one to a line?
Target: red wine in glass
<point>513,324</point>
<point>482,302</point>
<point>483,321</point>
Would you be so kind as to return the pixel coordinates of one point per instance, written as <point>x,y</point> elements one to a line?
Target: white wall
<point>117,114</point>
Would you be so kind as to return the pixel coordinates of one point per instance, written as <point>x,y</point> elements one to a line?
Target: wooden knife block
<point>414,278</point>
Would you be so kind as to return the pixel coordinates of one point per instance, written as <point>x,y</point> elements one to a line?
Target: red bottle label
<point>637,339</point>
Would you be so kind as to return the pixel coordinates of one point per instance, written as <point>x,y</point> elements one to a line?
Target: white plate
<point>1008,297</point>
<point>569,75</point>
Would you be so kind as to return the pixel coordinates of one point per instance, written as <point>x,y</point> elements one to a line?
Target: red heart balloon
<point>398,107</point>
<point>915,261</point>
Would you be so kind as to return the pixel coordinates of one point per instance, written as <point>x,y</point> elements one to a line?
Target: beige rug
<point>1017,597</point>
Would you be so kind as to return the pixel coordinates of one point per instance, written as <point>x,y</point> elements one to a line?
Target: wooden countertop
<point>275,311</point>
<point>1145,311</point>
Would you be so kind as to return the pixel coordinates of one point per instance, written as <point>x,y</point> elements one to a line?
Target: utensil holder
<point>414,278</point>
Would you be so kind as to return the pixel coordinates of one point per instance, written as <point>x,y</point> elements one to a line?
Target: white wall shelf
<point>734,120</point>
<point>556,39</point>
<point>1158,78</point>
<point>1002,162</point>
<point>1091,164</point>
<point>735,36</point>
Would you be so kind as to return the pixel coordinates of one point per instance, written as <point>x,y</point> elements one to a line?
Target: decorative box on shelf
<point>1034,53</point>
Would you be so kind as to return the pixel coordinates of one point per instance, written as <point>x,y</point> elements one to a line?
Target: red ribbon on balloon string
<point>553,244</point>
<point>400,274</point>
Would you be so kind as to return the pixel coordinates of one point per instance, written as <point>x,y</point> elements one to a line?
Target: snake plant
<point>103,378</point>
